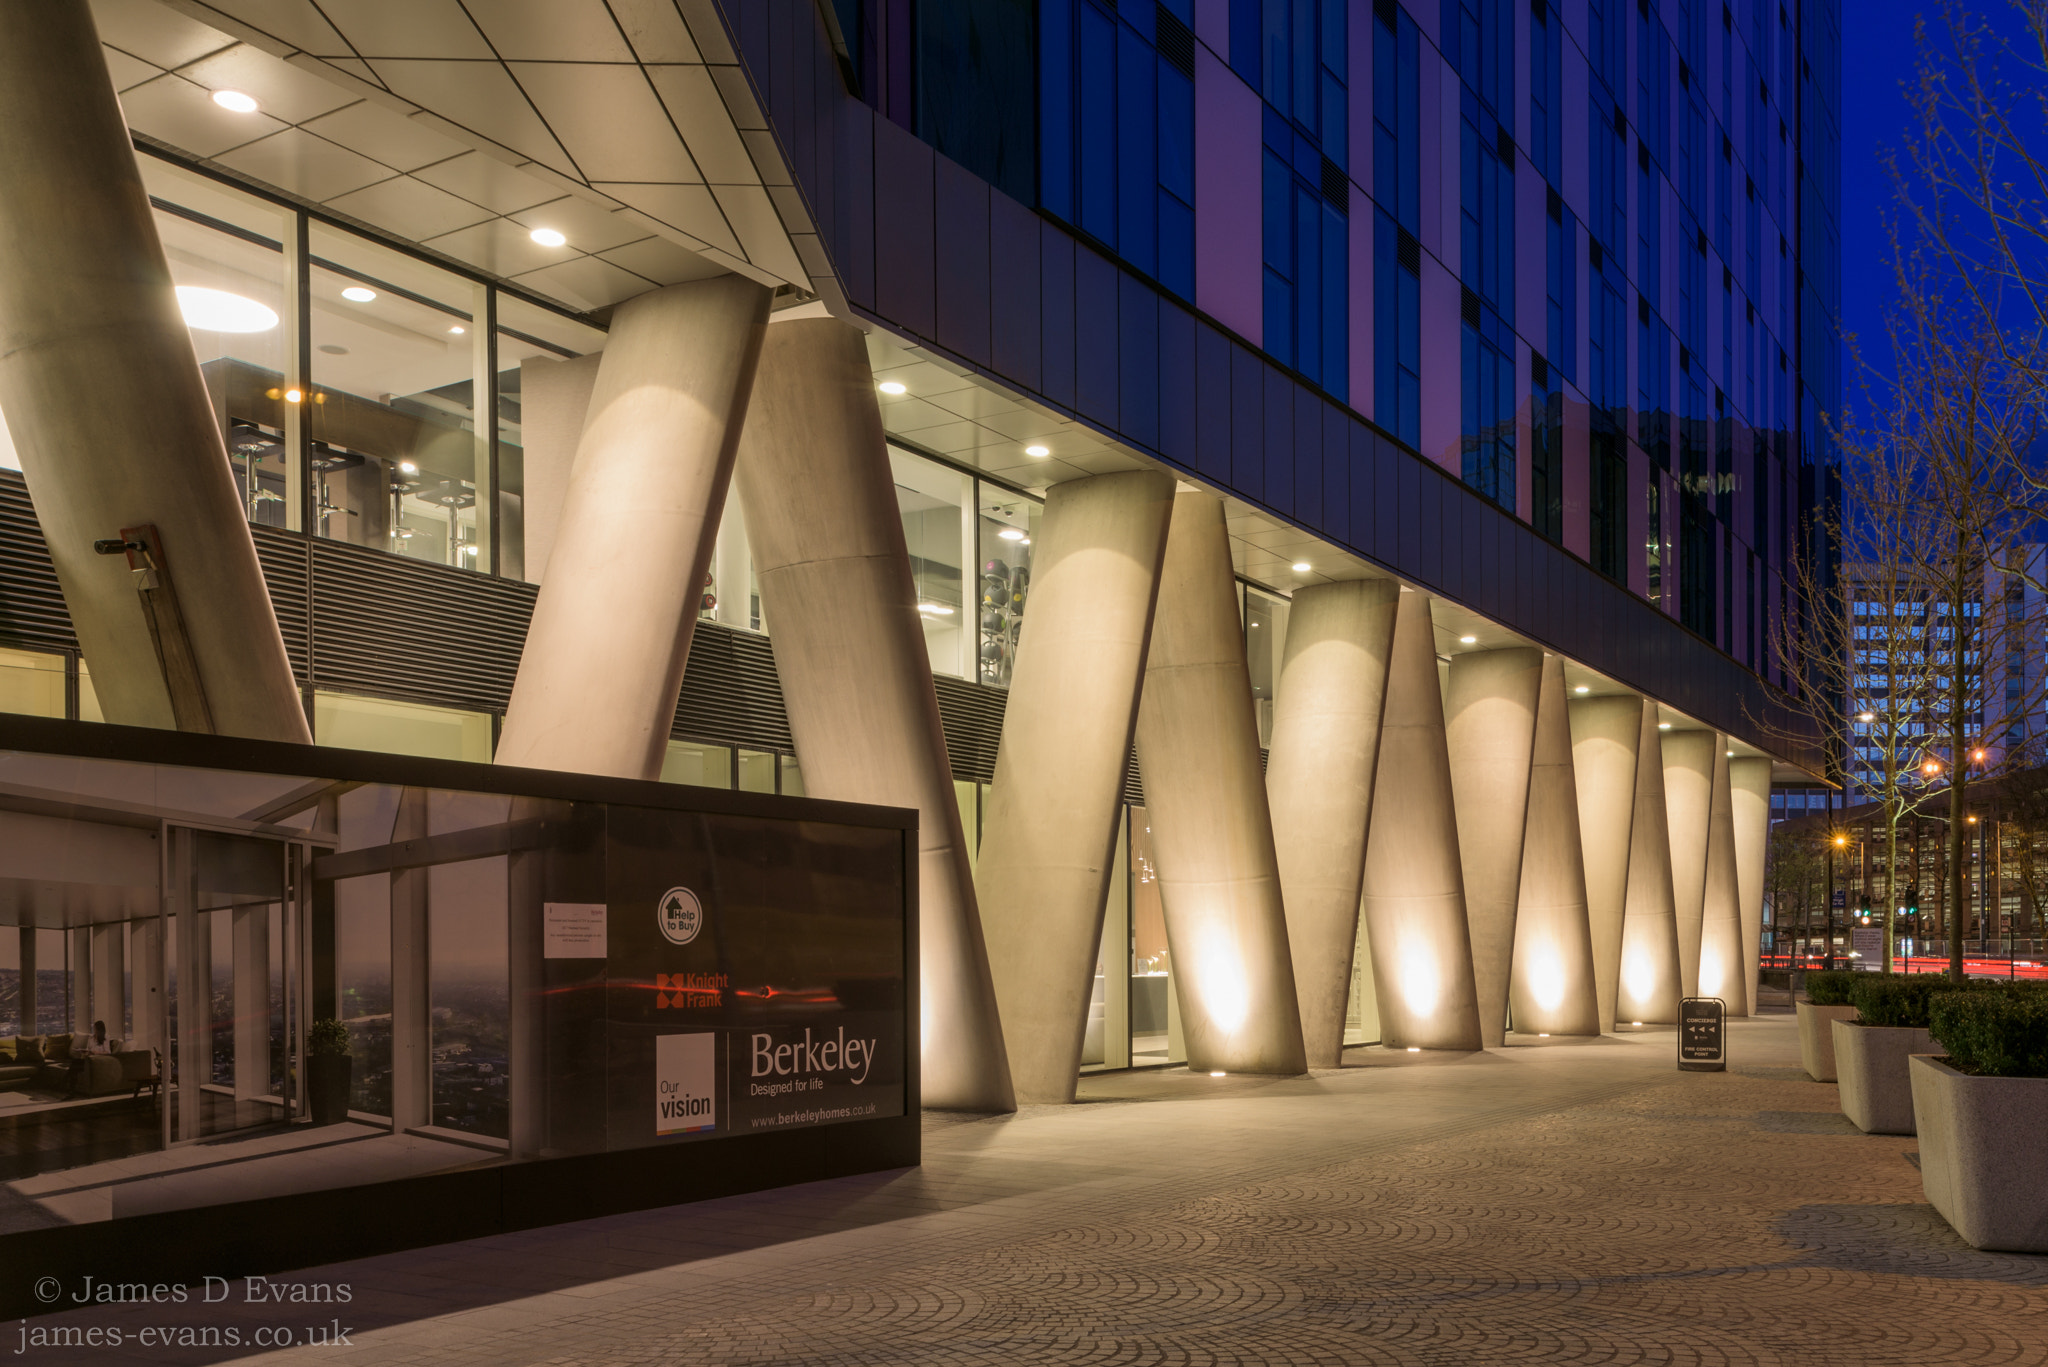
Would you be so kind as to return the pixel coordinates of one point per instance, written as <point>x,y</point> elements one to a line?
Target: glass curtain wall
<point>347,375</point>
<point>952,520</point>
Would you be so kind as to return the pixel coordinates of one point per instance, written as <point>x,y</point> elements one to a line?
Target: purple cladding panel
<point>1578,485</point>
<point>1443,360</point>
<point>1228,198</point>
<point>1361,319</point>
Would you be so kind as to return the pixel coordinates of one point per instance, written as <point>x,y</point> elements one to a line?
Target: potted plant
<point>1871,1047</point>
<point>327,1071</point>
<point>1827,1001</point>
<point>1982,1114</point>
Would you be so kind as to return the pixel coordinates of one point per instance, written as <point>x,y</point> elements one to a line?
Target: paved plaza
<point>1557,1201</point>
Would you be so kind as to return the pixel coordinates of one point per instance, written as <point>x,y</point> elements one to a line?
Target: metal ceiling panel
<point>609,120</point>
<point>171,109</point>
<point>401,143</point>
<point>280,89</point>
<point>306,165</point>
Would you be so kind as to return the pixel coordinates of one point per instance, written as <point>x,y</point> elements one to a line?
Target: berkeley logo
<point>680,915</point>
<point>685,1083</point>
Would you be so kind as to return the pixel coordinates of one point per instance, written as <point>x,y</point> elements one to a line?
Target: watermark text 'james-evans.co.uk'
<point>284,1330</point>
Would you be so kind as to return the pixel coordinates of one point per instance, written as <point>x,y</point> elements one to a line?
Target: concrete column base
<point>1554,991</point>
<point>1650,982</point>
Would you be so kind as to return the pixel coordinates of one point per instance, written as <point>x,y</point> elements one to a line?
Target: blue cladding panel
<point>1095,341</point>
<point>1014,291</point>
<point>1057,258</point>
<point>904,249</point>
<point>1279,457</point>
<point>1212,402</point>
<point>1137,238</point>
<point>1308,457</point>
<point>853,242</point>
<point>1056,107</point>
<point>1179,438</point>
<point>1336,462</point>
<point>1247,423</point>
<point>963,261</point>
<point>1138,361</point>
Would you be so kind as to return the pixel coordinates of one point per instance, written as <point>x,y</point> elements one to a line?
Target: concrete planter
<point>1983,1147</point>
<point>1816,1038</point>
<point>1870,1061</point>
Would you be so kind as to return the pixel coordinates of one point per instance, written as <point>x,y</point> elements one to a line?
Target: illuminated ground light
<point>1414,1048</point>
<point>1217,1072</point>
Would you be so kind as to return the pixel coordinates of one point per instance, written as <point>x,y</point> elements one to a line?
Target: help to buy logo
<point>685,1083</point>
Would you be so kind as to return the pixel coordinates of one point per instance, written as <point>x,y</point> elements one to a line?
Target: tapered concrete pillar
<point>108,414</point>
<point>1048,834</point>
<point>1319,778</point>
<point>1490,730</point>
<point>1554,990</point>
<point>1689,798</point>
<point>1722,971</point>
<point>1650,977</point>
<point>1212,835</point>
<point>1606,736</point>
<point>604,657</point>
<point>1749,782</point>
<point>1414,885</point>
<point>835,580</point>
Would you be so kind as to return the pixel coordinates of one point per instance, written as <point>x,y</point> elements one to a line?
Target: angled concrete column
<point>835,581</point>
<point>1490,729</point>
<point>1749,782</point>
<point>1650,978</point>
<point>1554,987</point>
<point>1606,737</point>
<point>1689,797</point>
<point>1049,831</point>
<point>603,663</point>
<point>1722,972</point>
<point>109,416</point>
<point>1414,886</point>
<point>1319,776</point>
<point>1212,836</point>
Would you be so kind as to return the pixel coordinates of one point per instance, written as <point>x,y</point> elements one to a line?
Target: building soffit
<point>627,125</point>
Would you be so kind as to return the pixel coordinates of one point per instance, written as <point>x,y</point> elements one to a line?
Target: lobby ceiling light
<point>935,609</point>
<point>1468,640</point>
<point>357,294</point>
<point>892,387</point>
<point>1301,567</point>
<point>1010,534</point>
<point>218,311</point>
<point>548,237</point>
<point>1040,451</point>
<point>457,330</point>
<point>234,101</point>
<point>293,396</point>
<point>406,467</point>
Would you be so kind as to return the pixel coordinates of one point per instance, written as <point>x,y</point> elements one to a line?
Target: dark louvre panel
<point>32,611</point>
<point>288,570</point>
<point>730,692</point>
<point>973,718</point>
<point>1336,187</point>
<point>1176,41</point>
<point>402,628</point>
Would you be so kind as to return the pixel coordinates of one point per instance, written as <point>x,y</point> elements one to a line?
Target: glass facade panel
<point>31,683</point>
<point>1265,632</point>
<point>938,525</point>
<point>1155,1015</point>
<point>471,1011</point>
<point>397,359</point>
<point>233,274</point>
<point>88,696</point>
<point>401,728</point>
<point>757,771</point>
<point>1008,525</point>
<point>792,777</point>
<point>702,766</point>
<point>526,333</point>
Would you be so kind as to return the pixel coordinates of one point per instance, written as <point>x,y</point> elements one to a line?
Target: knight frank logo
<point>680,914</point>
<point>685,1083</point>
<point>687,990</point>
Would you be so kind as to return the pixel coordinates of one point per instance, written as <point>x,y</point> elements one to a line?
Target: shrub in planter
<point>1982,1114</point>
<point>1871,1050</point>
<point>1827,1001</point>
<point>328,1067</point>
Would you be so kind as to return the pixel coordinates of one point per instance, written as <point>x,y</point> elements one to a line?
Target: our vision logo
<point>685,1083</point>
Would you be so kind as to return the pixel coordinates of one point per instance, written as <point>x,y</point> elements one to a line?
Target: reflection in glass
<point>1155,1015</point>
<point>1009,524</point>
<point>400,728</point>
<point>31,683</point>
<point>471,1011</point>
<point>704,766</point>
<point>396,457</point>
<point>937,526</point>
<point>1106,1043</point>
<point>1265,633</point>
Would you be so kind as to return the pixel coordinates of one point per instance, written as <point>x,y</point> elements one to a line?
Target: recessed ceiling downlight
<point>218,311</point>
<point>1011,534</point>
<point>548,237</point>
<point>358,294</point>
<point>892,387</point>
<point>235,101</point>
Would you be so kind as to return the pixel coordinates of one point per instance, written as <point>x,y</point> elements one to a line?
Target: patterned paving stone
<point>1578,1202</point>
